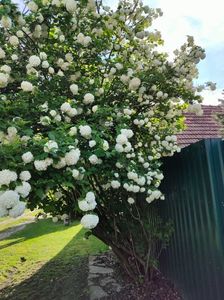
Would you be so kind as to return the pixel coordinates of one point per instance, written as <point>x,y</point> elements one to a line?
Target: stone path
<point>101,281</point>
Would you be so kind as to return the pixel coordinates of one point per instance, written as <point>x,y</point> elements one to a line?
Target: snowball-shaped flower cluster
<point>122,143</point>
<point>72,157</point>
<point>153,195</point>
<point>51,146</point>
<point>70,5</point>
<point>67,109</point>
<point>88,203</point>
<point>34,61</point>
<point>134,83</point>
<point>4,78</point>
<point>83,40</point>
<point>42,165</point>
<point>7,176</point>
<point>89,221</point>
<point>25,176</point>
<point>23,189</point>
<point>85,131</point>
<point>27,157</point>
<point>88,98</point>
<point>10,204</point>
<point>195,108</point>
<point>115,184</point>
<point>74,89</point>
<point>27,86</point>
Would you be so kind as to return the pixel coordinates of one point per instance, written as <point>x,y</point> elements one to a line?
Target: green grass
<point>53,255</point>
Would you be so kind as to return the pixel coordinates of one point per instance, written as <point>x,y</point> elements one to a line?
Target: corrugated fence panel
<point>194,189</point>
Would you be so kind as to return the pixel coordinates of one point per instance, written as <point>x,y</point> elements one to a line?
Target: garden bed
<point>112,282</point>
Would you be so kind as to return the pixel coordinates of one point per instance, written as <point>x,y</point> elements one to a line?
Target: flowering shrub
<point>88,106</point>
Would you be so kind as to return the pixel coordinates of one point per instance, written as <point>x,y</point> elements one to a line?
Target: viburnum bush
<point>88,106</point>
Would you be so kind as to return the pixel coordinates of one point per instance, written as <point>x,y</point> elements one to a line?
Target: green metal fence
<point>194,189</point>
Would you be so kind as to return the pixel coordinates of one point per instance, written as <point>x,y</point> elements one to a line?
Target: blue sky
<point>202,19</point>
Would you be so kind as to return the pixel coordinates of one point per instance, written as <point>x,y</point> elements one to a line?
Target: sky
<point>202,19</point>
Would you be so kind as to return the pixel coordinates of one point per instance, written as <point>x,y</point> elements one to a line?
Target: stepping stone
<point>96,292</point>
<point>100,270</point>
<point>106,281</point>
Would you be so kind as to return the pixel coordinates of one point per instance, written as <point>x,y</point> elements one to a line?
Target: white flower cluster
<point>27,86</point>
<point>72,157</point>
<point>83,40</point>
<point>94,160</point>
<point>7,176</point>
<point>134,83</point>
<point>88,203</point>
<point>88,98</point>
<point>89,221</point>
<point>122,143</point>
<point>51,146</point>
<point>4,79</point>
<point>42,165</point>
<point>85,131</point>
<point>195,108</point>
<point>70,5</point>
<point>10,203</point>
<point>67,109</point>
<point>27,157</point>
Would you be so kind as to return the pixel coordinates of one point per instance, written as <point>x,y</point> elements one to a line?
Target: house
<point>200,127</point>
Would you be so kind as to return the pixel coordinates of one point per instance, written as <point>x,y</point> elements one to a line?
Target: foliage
<point>89,104</point>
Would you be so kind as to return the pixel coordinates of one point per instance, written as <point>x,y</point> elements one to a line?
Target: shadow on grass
<point>64,277</point>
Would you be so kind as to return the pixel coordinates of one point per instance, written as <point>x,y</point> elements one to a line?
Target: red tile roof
<point>200,127</point>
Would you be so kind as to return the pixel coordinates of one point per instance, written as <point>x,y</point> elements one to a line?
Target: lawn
<point>46,261</point>
<point>7,222</point>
